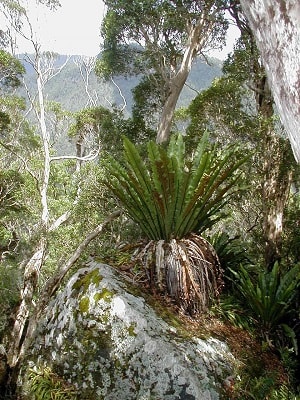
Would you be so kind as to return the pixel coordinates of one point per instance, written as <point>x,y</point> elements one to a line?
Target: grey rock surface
<point>112,345</point>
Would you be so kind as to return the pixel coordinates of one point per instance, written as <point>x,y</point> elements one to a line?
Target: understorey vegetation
<point>199,205</point>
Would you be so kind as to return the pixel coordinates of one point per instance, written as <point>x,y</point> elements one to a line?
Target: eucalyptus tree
<point>239,105</point>
<point>276,26</point>
<point>160,40</point>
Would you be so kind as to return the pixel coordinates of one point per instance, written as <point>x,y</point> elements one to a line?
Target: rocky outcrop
<point>107,341</point>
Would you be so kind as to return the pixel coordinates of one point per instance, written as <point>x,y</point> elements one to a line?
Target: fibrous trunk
<point>188,270</point>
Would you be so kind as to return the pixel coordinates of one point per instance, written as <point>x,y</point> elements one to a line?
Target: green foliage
<point>11,70</point>
<point>269,296</point>
<point>99,125</point>
<point>229,308</point>
<point>231,251</point>
<point>264,387</point>
<point>161,27</point>
<point>291,233</point>
<point>172,196</point>
<point>169,197</point>
<point>10,186</point>
<point>283,393</point>
<point>46,385</point>
<point>10,282</point>
<point>260,388</point>
<point>12,210</point>
<point>4,121</point>
<point>242,62</point>
<point>147,102</point>
<point>224,109</point>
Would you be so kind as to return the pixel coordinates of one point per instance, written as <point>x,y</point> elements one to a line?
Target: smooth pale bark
<point>276,26</point>
<point>277,173</point>
<point>275,194</point>
<point>198,36</point>
<point>175,88</point>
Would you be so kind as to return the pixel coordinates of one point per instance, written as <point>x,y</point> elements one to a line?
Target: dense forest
<point>161,162</point>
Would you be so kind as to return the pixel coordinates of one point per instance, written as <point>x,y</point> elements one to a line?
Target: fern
<point>46,385</point>
<point>269,297</point>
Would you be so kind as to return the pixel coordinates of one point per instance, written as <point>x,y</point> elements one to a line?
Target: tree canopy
<point>160,39</point>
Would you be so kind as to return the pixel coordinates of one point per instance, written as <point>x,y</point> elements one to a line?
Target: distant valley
<point>68,89</point>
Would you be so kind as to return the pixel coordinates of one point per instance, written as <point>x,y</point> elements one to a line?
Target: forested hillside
<point>68,88</point>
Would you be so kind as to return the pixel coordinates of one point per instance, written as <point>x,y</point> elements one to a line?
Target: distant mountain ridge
<point>68,89</point>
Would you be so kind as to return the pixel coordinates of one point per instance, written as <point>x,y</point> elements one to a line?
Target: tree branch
<point>120,93</point>
<point>53,284</point>
<point>89,157</point>
<point>63,218</point>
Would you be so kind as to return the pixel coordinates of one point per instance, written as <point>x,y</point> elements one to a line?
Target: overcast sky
<point>74,28</point>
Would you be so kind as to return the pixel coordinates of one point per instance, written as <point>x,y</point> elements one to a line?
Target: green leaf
<point>171,194</point>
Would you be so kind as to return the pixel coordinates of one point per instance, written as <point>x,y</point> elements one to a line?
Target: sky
<point>74,28</point>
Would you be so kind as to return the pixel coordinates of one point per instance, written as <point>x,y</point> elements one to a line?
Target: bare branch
<point>59,221</point>
<point>89,157</point>
<point>120,93</point>
<point>86,66</point>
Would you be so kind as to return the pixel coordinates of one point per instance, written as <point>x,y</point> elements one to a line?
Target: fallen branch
<point>53,284</point>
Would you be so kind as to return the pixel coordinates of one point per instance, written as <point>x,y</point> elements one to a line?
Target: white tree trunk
<point>276,26</point>
<point>198,36</point>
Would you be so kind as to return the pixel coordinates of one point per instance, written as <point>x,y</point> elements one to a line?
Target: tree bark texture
<point>277,172</point>
<point>275,194</point>
<point>276,26</point>
<point>31,275</point>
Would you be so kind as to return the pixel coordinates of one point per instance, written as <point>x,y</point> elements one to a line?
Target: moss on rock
<point>111,344</point>
<point>84,304</point>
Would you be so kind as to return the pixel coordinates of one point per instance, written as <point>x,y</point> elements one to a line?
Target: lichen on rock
<point>112,345</point>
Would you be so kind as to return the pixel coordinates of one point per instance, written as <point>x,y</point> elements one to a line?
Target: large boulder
<point>101,336</point>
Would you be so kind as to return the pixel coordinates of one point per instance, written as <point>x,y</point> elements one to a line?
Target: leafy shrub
<point>264,387</point>
<point>231,251</point>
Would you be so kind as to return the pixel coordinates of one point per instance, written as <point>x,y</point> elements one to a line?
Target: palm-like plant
<point>174,198</point>
<point>270,296</point>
